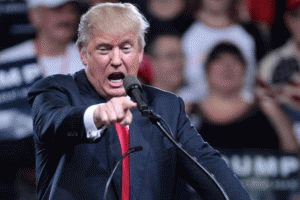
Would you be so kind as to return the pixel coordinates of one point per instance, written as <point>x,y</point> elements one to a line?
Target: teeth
<point>117,80</point>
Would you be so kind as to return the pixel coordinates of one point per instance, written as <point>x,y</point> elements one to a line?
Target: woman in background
<point>226,120</point>
<point>216,21</point>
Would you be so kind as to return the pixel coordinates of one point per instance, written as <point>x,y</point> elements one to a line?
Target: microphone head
<point>134,90</point>
<point>131,82</point>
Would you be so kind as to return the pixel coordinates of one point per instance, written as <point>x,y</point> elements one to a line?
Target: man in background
<point>51,51</point>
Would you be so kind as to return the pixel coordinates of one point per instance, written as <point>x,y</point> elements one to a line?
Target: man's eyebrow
<point>109,45</point>
<point>103,44</point>
<point>127,41</point>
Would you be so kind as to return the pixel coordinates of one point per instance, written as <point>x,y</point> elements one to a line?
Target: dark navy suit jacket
<point>71,167</point>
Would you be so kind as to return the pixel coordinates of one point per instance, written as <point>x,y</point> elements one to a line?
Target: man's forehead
<point>114,38</point>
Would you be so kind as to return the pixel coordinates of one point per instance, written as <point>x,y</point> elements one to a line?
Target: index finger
<point>121,105</point>
<point>129,104</point>
<point>123,102</point>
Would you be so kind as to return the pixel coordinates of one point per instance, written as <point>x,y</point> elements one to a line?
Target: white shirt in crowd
<point>199,39</point>
<point>69,63</point>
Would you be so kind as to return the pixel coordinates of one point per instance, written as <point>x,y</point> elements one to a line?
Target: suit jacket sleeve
<point>209,158</point>
<point>57,110</point>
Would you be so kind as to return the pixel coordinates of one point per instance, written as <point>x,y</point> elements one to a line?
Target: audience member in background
<point>167,16</point>
<point>55,22</point>
<point>168,60</point>
<point>50,52</point>
<point>216,21</point>
<point>279,70</point>
<point>226,120</point>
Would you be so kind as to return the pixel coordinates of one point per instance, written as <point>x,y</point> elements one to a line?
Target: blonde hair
<point>114,18</point>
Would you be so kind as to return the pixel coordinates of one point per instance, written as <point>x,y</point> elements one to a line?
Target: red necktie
<point>123,134</point>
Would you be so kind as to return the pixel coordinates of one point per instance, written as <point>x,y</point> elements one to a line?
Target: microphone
<point>131,150</point>
<point>134,89</point>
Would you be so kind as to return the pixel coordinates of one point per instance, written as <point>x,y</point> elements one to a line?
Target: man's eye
<point>103,50</point>
<point>126,48</point>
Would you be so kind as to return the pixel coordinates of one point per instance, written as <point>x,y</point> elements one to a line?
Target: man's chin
<point>117,93</point>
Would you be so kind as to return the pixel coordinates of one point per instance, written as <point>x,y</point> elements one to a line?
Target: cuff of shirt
<point>92,133</point>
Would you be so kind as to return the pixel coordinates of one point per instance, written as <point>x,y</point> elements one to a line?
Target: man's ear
<point>83,55</point>
<point>141,55</point>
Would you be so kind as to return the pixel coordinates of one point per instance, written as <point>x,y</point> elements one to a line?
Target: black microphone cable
<point>131,150</point>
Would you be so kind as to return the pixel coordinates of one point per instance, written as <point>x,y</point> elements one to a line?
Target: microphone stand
<point>131,150</point>
<point>156,119</point>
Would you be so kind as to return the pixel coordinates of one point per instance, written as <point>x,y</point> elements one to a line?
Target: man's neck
<point>46,47</point>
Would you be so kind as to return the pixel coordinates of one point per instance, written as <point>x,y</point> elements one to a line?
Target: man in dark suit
<point>76,117</point>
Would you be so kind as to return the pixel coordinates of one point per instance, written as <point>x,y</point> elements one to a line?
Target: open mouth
<point>116,77</point>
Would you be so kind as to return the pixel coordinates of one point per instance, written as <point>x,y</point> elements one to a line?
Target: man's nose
<point>116,59</point>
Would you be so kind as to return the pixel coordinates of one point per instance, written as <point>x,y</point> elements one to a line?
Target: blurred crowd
<point>235,63</point>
